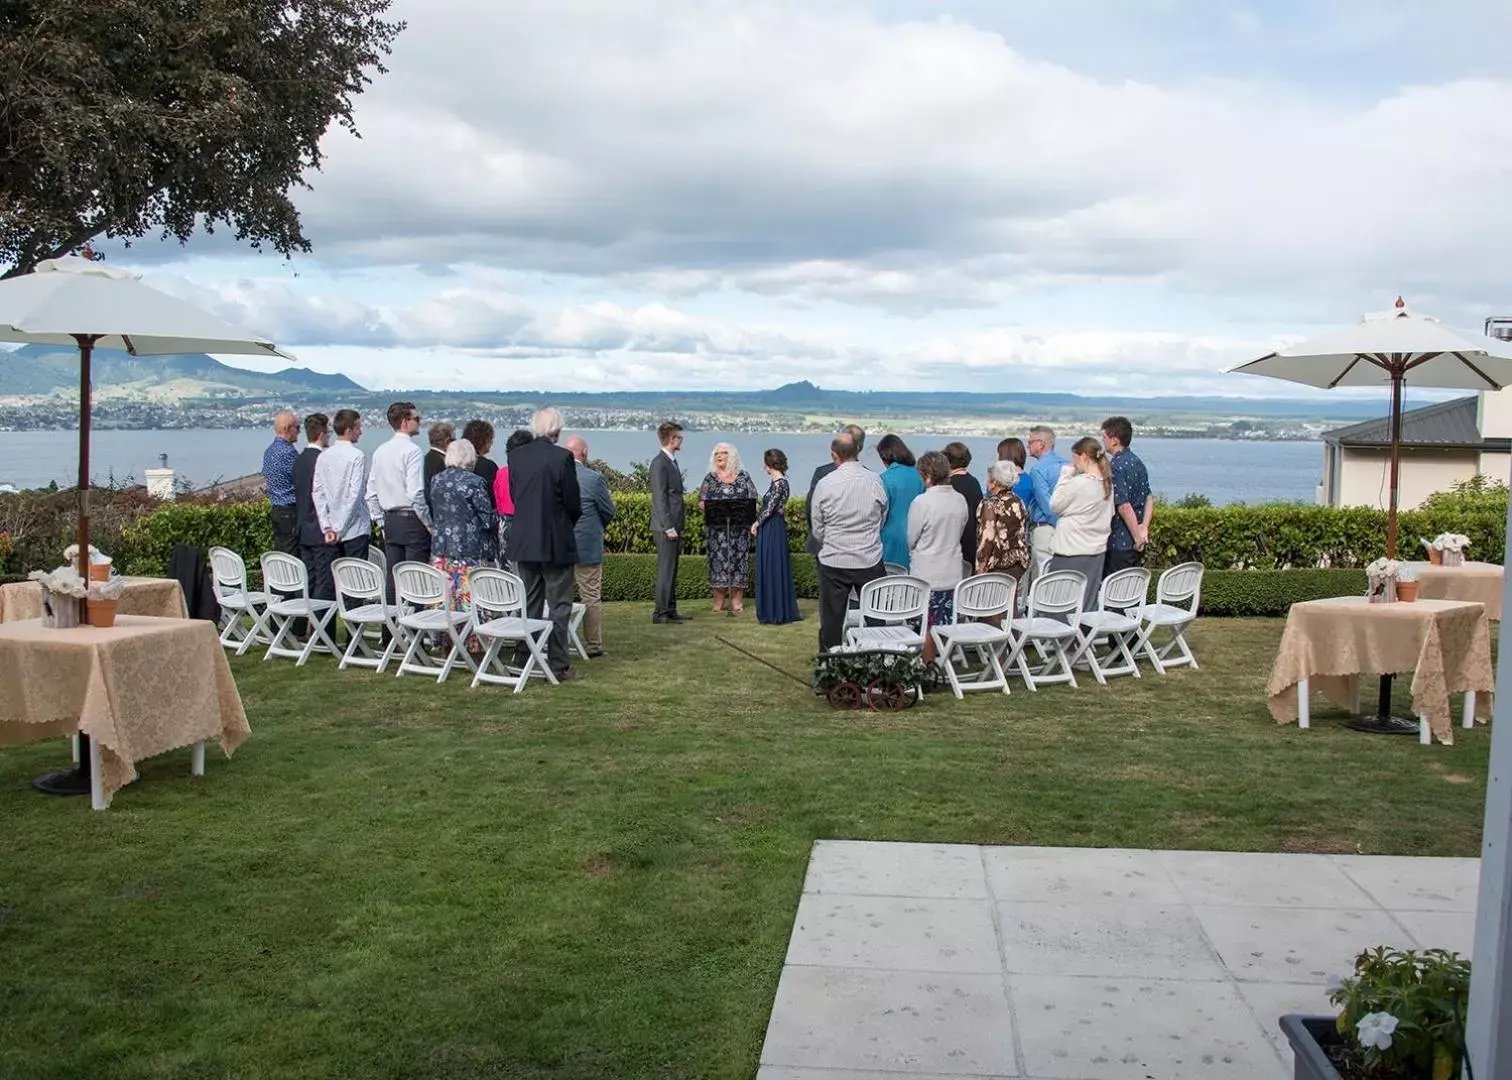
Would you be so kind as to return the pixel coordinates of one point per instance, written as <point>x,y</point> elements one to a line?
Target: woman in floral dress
<point>1002,525</point>
<point>466,530</point>
<point>729,549</point>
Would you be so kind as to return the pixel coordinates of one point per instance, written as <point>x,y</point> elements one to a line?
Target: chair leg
<point>284,626</point>
<point>1425,733</point>
<point>1304,704</point>
<point>1469,720</point>
<point>416,639</point>
<point>197,759</point>
<point>96,780</point>
<point>536,646</point>
<point>318,624</point>
<point>259,628</point>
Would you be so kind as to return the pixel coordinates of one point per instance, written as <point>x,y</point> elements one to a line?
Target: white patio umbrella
<point>75,301</point>
<point>1395,347</point>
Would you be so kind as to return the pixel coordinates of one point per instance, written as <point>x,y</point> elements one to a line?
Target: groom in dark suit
<point>667,516</point>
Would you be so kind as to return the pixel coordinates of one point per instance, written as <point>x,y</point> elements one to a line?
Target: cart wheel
<point>897,698</point>
<point>845,696</point>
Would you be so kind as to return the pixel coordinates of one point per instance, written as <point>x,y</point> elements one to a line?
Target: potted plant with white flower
<point>62,589</point>
<point>1382,578</point>
<point>1401,1017</point>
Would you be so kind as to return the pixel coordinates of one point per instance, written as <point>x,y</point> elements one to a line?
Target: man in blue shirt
<point>1133,504</point>
<point>278,477</point>
<point>1045,474</point>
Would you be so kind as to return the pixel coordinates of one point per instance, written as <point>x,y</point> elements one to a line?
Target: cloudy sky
<point>1073,195</point>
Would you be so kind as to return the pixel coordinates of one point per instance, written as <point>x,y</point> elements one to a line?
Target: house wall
<point>1497,466</point>
<point>1494,412</point>
<point>1364,475</point>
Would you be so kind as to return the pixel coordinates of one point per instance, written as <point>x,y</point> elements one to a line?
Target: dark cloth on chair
<point>191,569</point>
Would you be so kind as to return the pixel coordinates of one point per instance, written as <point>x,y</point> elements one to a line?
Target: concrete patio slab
<point>944,962</point>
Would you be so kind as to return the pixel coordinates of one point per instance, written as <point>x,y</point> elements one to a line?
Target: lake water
<point>1225,471</point>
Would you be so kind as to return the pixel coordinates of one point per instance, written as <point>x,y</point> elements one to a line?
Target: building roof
<point>1450,425</point>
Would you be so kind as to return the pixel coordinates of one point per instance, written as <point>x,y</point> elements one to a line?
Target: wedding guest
<point>776,593</point>
<point>588,574</point>
<point>1083,505</point>
<point>1011,449</point>
<point>850,506</point>
<point>396,491</point>
<point>312,549</point>
<point>935,522</point>
<point>465,528</point>
<point>481,434</point>
<point>1133,502</point>
<point>502,500</point>
<point>1002,525</point>
<point>959,456</point>
<point>278,477</point>
<point>729,550</point>
<point>439,436</point>
<point>1045,474</point>
<point>340,491</point>
<point>858,437</point>
<point>900,479</point>
<point>543,484</point>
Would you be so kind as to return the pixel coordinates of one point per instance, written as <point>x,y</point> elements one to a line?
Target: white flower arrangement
<point>1448,541</point>
<point>1407,572</point>
<point>64,581</point>
<point>71,554</point>
<point>1383,568</point>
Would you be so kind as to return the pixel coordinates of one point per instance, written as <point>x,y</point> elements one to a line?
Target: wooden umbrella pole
<point>86,349</point>
<point>1396,458</point>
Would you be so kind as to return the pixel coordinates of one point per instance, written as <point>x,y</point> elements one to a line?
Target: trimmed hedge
<point>633,577</point>
<point>1272,592</point>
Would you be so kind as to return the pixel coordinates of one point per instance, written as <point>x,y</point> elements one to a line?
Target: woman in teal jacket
<point>903,485</point>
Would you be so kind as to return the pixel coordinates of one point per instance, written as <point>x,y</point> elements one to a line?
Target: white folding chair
<point>228,573</point>
<point>574,627</point>
<point>376,556</point>
<point>288,585</point>
<point>360,602</point>
<point>977,598</point>
<point>895,569</point>
<point>897,603</point>
<point>423,596</point>
<point>1051,627</point>
<point>499,619</point>
<point>1178,595</point>
<point>1120,603</point>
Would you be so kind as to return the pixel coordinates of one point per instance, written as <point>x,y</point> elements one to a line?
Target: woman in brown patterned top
<point>1002,525</point>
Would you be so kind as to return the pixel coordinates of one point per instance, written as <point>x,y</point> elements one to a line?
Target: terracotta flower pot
<point>99,571</point>
<point>1435,556</point>
<point>102,613</point>
<point>1407,591</point>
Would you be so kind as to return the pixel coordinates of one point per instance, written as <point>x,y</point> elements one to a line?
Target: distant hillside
<point>47,369</point>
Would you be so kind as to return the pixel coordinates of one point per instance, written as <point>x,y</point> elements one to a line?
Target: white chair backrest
<point>284,574</point>
<point>1058,593</point>
<point>895,599</point>
<point>1181,586</point>
<point>357,580</point>
<point>985,595</point>
<point>497,592</point>
<point>228,571</point>
<point>376,556</point>
<point>1125,591</point>
<point>417,585</point>
<point>893,569</point>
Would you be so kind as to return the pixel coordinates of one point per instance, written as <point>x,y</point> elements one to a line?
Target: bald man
<point>588,573</point>
<point>278,477</point>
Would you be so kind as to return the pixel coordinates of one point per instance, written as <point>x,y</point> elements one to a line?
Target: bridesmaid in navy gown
<point>776,596</point>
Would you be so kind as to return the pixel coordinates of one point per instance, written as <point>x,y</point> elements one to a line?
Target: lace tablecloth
<point>1478,581</point>
<point>142,596</point>
<point>140,688</point>
<point>1446,644</point>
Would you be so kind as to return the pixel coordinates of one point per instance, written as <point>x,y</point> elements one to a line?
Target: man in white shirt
<point>339,495</point>
<point>850,505</point>
<point>396,491</point>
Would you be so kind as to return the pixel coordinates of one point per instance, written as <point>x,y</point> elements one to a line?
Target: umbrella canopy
<point>78,302</point>
<point>69,298</point>
<point>1393,348</point>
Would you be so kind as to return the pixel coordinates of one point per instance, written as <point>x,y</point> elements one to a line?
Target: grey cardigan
<point>936,520</point>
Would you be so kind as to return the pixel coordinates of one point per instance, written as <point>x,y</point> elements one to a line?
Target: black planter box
<point>1306,1033</point>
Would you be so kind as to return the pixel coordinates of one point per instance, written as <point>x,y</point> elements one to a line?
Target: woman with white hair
<point>728,540</point>
<point>1002,525</point>
<point>465,524</point>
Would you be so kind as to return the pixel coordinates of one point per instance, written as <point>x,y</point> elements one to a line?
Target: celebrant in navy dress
<point>776,596</point>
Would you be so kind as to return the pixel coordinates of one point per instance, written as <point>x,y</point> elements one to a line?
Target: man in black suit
<point>440,436</point>
<point>858,436</point>
<point>668,513</point>
<point>312,548</point>
<point>543,485</point>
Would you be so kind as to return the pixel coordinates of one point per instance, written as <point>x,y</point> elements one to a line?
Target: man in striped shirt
<point>849,506</point>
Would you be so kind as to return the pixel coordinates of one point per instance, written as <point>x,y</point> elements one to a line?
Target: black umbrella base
<point>1384,725</point>
<point>73,781</point>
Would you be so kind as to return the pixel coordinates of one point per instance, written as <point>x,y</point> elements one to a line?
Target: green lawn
<point>398,879</point>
